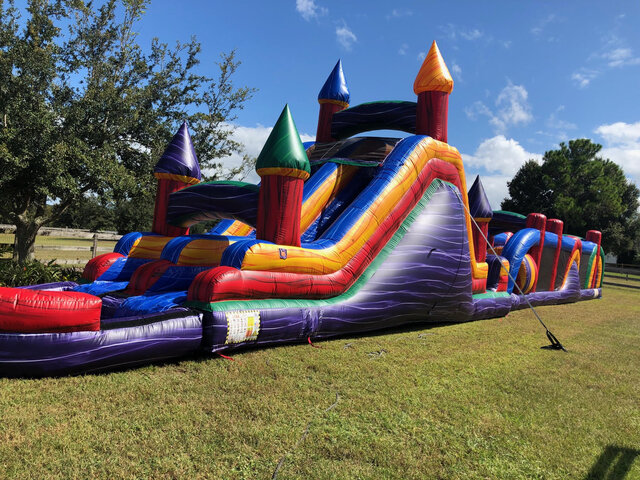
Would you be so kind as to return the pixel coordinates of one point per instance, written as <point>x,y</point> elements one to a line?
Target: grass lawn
<point>476,400</point>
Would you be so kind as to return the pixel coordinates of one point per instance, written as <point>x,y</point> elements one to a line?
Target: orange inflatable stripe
<point>179,178</point>
<point>299,260</point>
<point>283,172</point>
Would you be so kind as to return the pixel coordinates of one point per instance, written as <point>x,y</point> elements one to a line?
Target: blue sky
<point>527,74</point>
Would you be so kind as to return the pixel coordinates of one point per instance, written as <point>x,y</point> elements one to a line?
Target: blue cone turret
<point>335,89</point>
<point>333,97</point>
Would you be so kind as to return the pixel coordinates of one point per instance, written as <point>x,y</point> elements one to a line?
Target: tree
<point>85,111</point>
<point>584,190</point>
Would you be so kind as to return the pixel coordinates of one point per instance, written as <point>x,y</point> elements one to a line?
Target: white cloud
<point>620,133</point>
<point>541,25</point>
<point>501,157</point>
<point>308,9</point>
<point>345,36</point>
<point>613,53</point>
<point>627,157</point>
<point>403,49</point>
<point>253,139</point>
<point>456,70</point>
<point>584,76</point>
<point>422,56</point>
<point>558,124</point>
<point>620,57</point>
<point>399,13</point>
<point>622,145</point>
<point>512,108</point>
<point>471,35</point>
<point>500,154</point>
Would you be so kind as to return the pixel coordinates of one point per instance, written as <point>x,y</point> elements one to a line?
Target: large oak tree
<point>586,191</point>
<point>85,110</point>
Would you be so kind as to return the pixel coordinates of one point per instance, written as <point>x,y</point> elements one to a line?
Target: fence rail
<point>91,250</point>
<point>67,233</point>
<point>622,271</point>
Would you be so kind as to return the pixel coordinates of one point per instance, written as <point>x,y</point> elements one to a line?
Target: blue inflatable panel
<point>515,250</point>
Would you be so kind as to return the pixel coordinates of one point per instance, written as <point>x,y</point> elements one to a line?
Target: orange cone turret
<point>433,86</point>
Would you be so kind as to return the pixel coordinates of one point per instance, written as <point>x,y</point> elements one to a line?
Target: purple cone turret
<point>177,168</point>
<point>481,212</point>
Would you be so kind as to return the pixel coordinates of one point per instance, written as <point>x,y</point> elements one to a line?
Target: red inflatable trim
<point>37,311</point>
<point>226,283</point>
<point>98,265</point>
<point>146,275</point>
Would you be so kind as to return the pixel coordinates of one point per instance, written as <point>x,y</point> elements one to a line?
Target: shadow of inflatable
<point>614,463</point>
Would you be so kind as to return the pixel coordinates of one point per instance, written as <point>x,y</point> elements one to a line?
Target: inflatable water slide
<point>343,235</point>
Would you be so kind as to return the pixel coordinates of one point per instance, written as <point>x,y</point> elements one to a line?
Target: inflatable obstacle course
<point>344,235</point>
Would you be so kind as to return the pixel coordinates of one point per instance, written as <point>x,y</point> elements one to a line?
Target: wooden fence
<point>622,270</point>
<point>93,250</point>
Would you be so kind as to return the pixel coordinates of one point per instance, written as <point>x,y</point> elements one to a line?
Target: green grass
<point>476,400</point>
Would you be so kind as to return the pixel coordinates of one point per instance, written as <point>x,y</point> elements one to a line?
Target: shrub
<point>13,274</point>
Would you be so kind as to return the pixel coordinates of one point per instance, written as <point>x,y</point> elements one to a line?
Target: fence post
<point>94,248</point>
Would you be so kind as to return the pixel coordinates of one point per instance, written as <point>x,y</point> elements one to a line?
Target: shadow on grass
<point>614,463</point>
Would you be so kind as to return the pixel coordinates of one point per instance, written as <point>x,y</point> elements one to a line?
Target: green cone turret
<point>283,153</point>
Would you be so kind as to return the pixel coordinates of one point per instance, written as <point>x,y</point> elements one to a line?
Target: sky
<point>528,74</point>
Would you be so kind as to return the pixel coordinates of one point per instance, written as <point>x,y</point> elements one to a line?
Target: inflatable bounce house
<point>343,235</point>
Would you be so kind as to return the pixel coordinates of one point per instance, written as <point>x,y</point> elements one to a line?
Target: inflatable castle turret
<point>480,210</point>
<point>177,168</point>
<point>283,167</point>
<point>433,86</point>
<point>333,97</point>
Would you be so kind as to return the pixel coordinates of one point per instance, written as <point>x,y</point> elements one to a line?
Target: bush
<point>13,274</point>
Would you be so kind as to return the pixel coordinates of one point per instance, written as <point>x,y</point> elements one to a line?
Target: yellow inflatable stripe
<point>203,252</point>
<point>237,229</point>
<point>300,260</point>
<point>324,194</point>
<point>149,246</point>
<point>574,258</point>
<point>598,283</point>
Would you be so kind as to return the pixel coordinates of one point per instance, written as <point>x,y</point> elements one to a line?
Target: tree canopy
<point>582,189</point>
<point>85,110</point>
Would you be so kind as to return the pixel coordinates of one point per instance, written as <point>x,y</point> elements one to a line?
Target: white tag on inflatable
<point>242,326</point>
